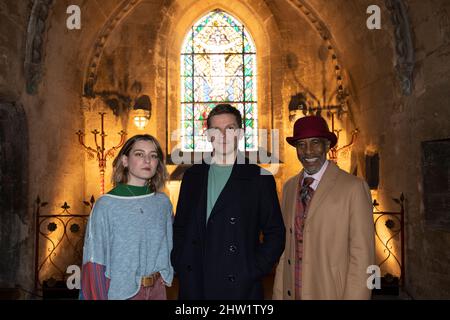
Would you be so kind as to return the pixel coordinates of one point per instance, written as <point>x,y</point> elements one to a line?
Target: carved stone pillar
<point>404,48</point>
<point>34,46</point>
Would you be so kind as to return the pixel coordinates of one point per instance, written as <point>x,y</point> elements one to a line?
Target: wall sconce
<point>142,111</point>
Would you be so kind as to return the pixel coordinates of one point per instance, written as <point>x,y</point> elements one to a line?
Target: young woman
<point>129,234</point>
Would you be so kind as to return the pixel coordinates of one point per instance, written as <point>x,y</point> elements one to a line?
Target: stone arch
<point>344,89</point>
<point>326,35</point>
<point>118,14</point>
<point>258,20</point>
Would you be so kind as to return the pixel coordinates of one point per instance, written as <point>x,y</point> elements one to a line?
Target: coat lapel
<point>202,172</point>
<point>294,196</point>
<point>323,190</point>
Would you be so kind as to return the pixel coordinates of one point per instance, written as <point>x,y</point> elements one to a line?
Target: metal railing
<point>394,230</point>
<point>59,239</point>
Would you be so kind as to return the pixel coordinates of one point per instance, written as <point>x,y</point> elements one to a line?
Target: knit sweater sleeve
<point>94,282</point>
<point>96,241</point>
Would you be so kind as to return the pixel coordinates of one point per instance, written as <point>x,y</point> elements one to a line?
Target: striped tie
<point>306,193</point>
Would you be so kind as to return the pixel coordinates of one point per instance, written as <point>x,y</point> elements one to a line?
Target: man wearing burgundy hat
<point>329,226</point>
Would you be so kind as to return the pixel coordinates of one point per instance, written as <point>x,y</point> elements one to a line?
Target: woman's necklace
<point>129,189</point>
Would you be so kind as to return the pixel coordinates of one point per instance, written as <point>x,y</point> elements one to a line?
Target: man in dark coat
<point>223,209</point>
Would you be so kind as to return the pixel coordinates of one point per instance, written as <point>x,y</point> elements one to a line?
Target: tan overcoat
<point>338,239</point>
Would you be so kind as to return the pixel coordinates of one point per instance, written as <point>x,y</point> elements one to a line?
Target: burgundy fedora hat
<point>312,127</point>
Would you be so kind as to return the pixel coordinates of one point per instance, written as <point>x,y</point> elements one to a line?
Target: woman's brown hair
<point>120,173</point>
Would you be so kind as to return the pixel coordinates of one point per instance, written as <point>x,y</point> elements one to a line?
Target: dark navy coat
<point>225,258</point>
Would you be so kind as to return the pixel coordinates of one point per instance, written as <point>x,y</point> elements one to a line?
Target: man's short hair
<point>223,108</point>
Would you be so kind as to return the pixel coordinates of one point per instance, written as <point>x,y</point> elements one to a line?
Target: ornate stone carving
<point>313,18</point>
<point>404,48</point>
<point>444,26</point>
<point>34,45</point>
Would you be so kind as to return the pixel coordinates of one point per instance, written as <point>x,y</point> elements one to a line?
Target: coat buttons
<point>231,278</point>
<point>290,229</point>
<point>289,261</point>
<point>289,293</point>
<point>189,268</point>
<point>232,248</point>
<point>232,220</point>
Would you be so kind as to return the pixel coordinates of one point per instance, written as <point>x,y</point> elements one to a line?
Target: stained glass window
<point>218,65</point>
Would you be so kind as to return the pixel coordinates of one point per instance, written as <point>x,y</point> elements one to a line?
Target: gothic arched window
<point>218,65</point>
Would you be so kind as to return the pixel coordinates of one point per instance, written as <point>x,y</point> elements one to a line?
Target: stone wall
<point>17,236</point>
<point>426,117</point>
<point>126,47</point>
<point>16,231</point>
<point>13,23</point>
